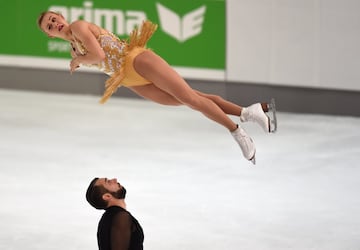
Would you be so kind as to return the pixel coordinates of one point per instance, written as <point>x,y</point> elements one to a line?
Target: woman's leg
<point>253,113</point>
<point>171,89</point>
<point>228,107</point>
<point>153,93</point>
<point>154,68</point>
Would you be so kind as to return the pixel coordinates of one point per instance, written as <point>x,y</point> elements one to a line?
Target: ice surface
<point>187,181</point>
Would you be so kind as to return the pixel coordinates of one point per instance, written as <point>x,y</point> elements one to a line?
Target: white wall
<point>311,43</point>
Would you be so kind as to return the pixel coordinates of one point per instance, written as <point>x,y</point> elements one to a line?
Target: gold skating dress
<point>119,56</point>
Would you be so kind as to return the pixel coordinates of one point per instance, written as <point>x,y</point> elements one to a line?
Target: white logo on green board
<point>181,28</point>
<point>117,21</point>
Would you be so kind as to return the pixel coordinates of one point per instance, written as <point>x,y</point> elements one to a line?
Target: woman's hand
<point>74,64</point>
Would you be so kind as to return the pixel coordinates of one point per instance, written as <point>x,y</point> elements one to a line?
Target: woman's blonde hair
<point>42,14</point>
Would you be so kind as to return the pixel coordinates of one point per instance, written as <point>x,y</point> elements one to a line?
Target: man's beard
<point>120,194</point>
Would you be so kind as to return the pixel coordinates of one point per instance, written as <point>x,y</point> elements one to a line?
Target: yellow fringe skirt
<point>127,75</point>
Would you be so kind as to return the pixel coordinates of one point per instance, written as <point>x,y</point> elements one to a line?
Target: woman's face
<point>53,24</point>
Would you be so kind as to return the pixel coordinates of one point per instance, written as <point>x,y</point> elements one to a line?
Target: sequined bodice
<point>114,52</point>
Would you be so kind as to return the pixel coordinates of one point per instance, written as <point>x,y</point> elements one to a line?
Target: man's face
<point>113,186</point>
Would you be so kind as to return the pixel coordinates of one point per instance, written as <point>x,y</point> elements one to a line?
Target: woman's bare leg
<point>153,93</point>
<point>170,89</point>
<point>155,69</point>
<point>228,107</point>
<point>253,113</point>
<point>150,91</point>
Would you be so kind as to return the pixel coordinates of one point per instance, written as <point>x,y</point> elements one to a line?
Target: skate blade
<point>253,160</point>
<point>272,116</point>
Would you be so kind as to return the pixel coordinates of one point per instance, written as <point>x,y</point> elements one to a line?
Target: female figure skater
<point>130,64</point>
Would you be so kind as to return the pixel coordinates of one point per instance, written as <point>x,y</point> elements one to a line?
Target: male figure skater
<point>117,229</point>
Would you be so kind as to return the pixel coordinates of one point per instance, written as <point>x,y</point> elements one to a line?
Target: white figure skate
<point>256,113</point>
<point>246,144</point>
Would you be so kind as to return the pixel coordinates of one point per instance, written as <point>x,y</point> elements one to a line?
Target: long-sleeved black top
<point>119,230</point>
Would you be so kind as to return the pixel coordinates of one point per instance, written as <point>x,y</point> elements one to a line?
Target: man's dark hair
<point>94,195</point>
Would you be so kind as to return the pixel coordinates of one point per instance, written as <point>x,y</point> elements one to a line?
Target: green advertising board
<point>191,33</point>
